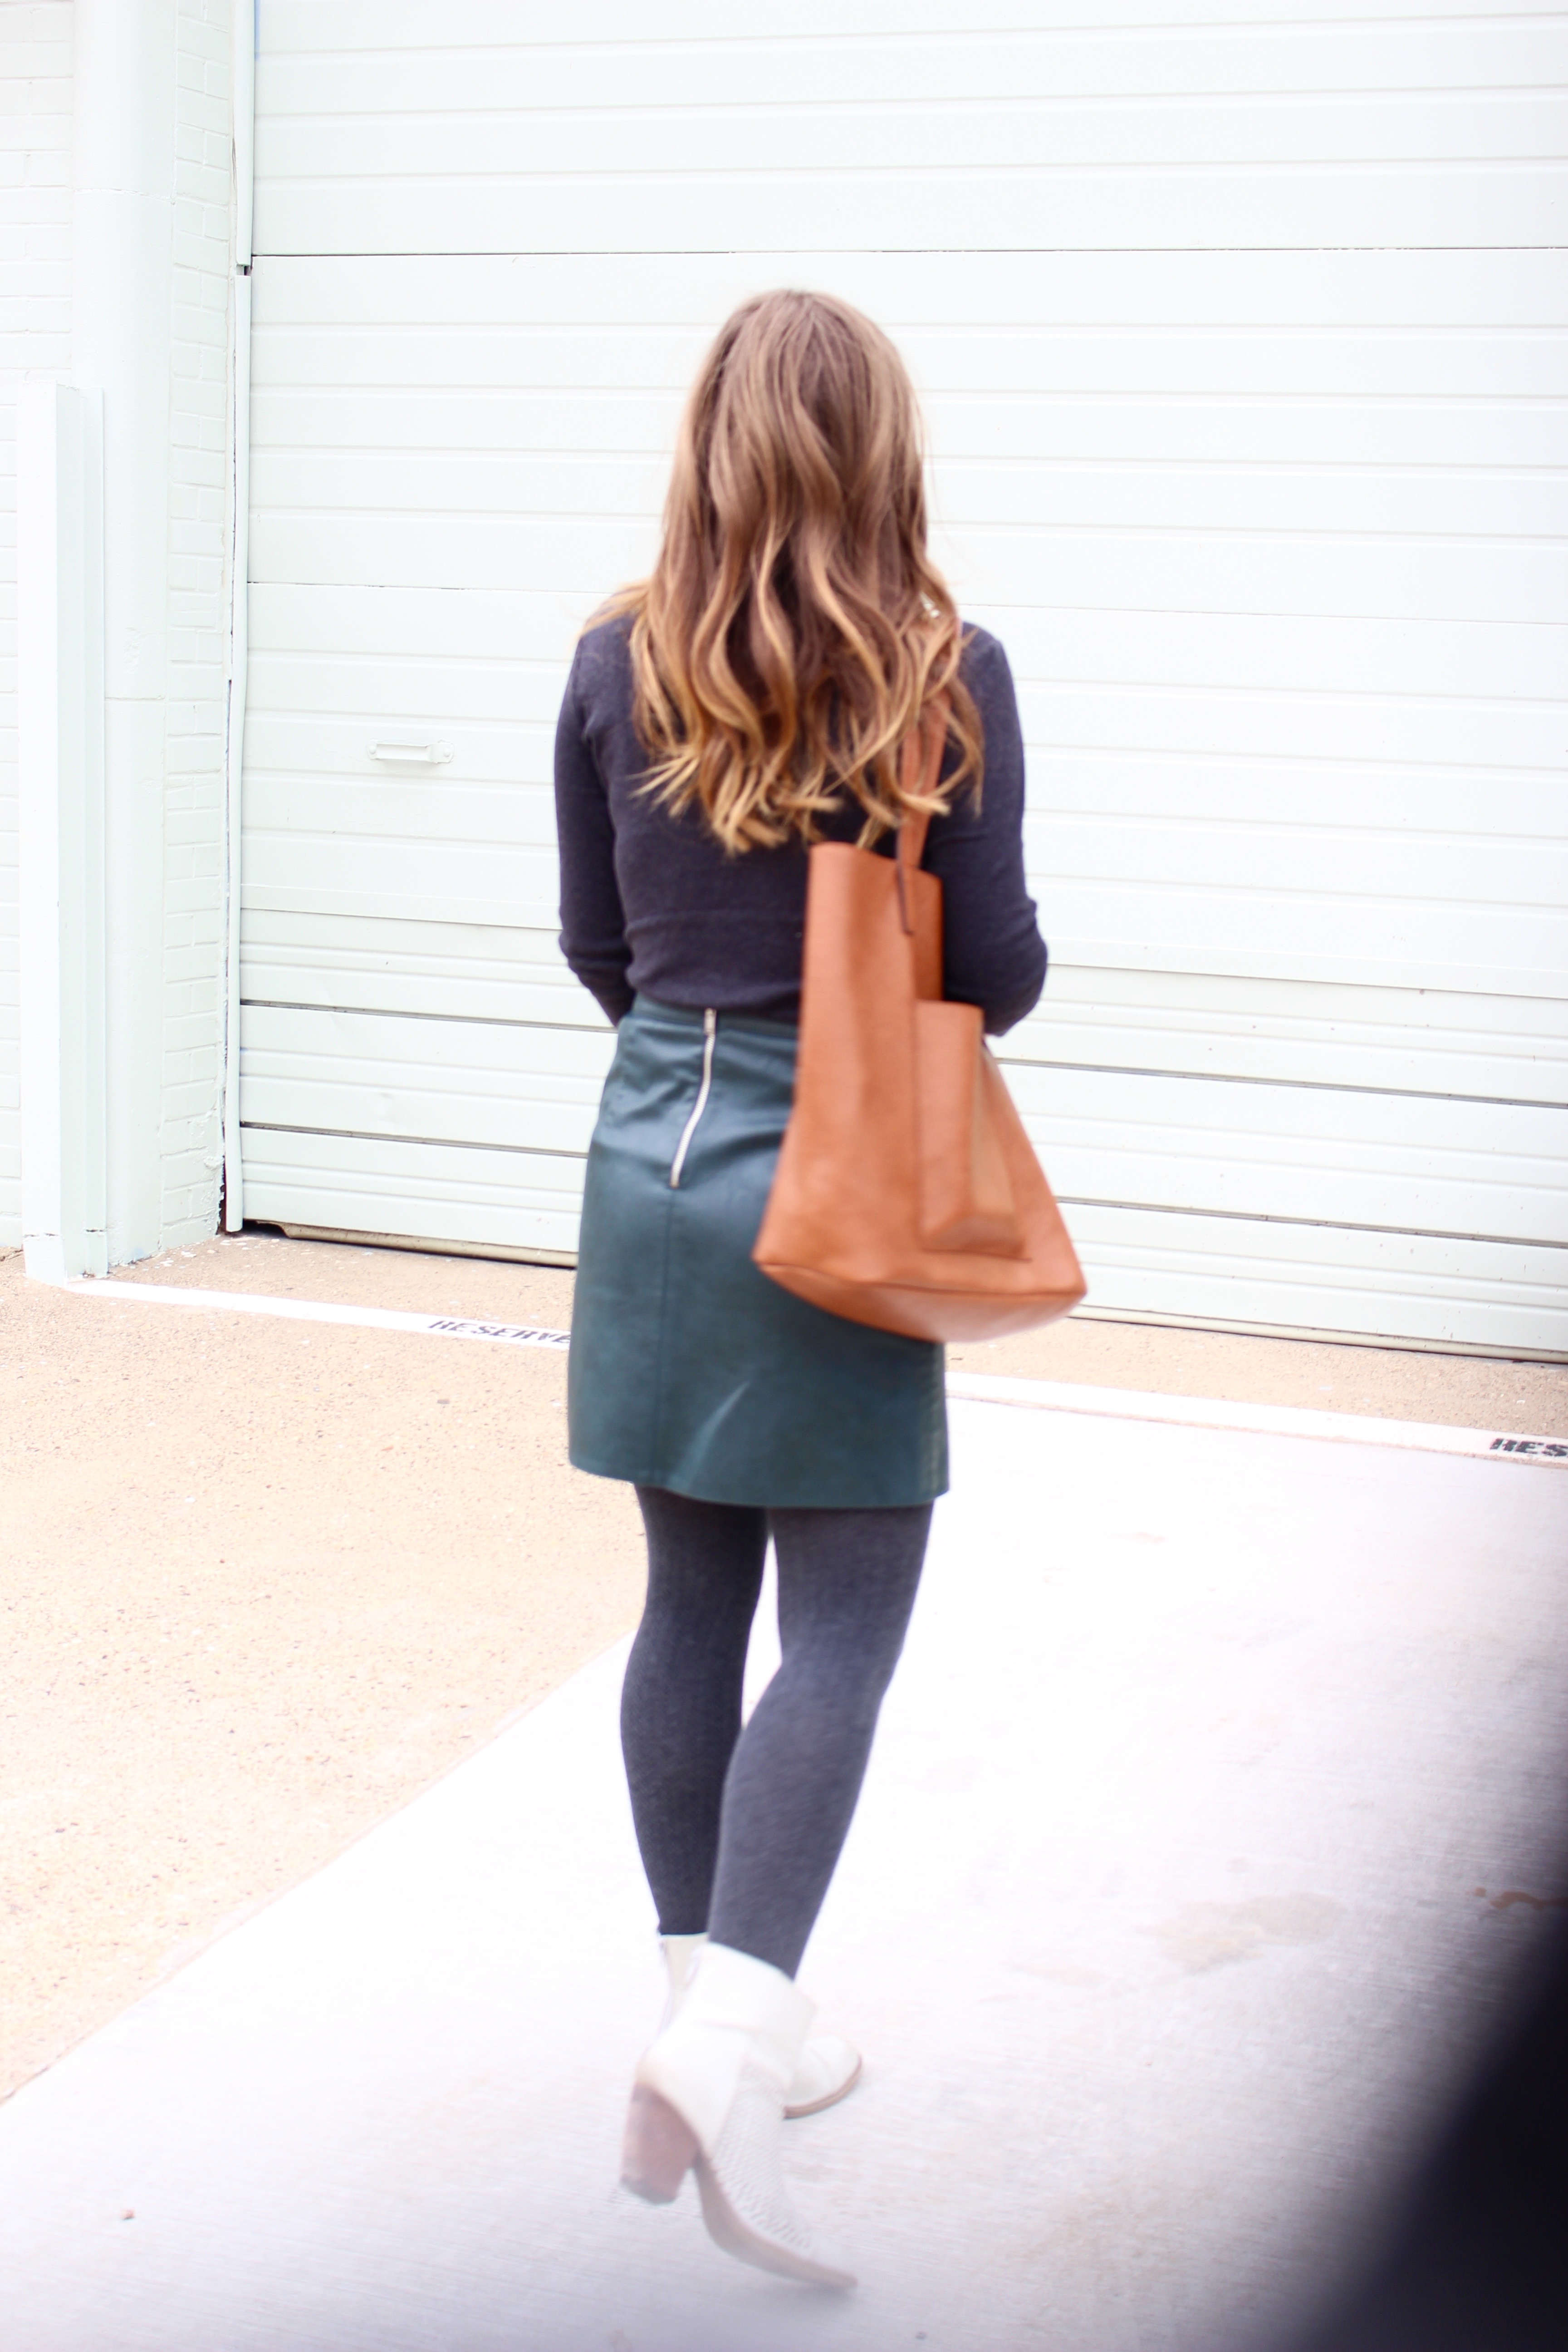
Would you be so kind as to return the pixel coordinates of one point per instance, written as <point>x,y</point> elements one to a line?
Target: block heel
<point>660,2148</point>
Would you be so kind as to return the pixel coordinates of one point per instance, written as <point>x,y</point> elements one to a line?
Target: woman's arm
<point>593,921</point>
<point>994,955</point>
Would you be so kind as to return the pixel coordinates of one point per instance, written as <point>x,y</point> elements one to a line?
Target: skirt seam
<point>660,1391</point>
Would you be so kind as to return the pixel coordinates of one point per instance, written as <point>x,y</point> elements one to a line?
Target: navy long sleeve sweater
<point>652,904</point>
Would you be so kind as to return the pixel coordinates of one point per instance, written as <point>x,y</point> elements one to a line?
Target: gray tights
<point>740,1831</point>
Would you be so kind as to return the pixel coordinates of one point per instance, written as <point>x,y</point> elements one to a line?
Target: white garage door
<point>1240,342</point>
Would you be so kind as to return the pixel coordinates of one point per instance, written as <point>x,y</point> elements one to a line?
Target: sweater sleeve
<point>993,954</point>
<point>592,920</point>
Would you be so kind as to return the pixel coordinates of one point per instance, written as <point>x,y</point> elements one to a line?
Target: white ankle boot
<point>709,2096</point>
<point>828,2068</point>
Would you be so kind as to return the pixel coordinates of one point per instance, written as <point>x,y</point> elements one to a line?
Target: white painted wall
<point>62,933</point>
<point>34,340</point>
<point>121,181</point>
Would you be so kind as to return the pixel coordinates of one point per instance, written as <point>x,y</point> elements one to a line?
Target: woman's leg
<point>680,1703</point>
<point>713,2086</point>
<point>847,1585</point>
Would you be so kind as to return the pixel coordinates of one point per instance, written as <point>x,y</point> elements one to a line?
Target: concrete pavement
<point>1216,1799</point>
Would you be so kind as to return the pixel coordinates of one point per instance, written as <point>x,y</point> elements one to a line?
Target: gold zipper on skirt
<point>709,1033</point>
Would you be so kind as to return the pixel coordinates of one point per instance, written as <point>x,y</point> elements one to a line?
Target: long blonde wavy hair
<point>794,629</point>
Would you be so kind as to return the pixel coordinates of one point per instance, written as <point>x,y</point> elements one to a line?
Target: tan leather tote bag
<point>906,1194</point>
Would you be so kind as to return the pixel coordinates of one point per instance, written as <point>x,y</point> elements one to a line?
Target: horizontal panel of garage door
<point>392,865</point>
<point>1098,126</point>
<point>1113,340</point>
<point>1509,1297</point>
<point>1020,494</point>
<point>462,972</point>
<point>484,1200</point>
<point>1366,684</point>
<point>510,1085</point>
<point>1446,700</point>
<point>1398,1161</point>
<point>1471,1048</point>
<point>1195,570</point>
<point>1373,1040</point>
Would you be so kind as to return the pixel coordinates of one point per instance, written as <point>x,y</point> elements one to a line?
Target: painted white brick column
<point>59,524</point>
<point>35,342</point>
<point>122,327</point>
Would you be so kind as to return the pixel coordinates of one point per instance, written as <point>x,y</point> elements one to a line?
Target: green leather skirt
<point>690,1369</point>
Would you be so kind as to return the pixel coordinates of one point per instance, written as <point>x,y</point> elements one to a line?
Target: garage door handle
<point>412,755</point>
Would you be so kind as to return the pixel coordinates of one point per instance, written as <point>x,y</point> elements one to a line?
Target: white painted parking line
<point>315,1310</point>
<point>1049,1396</point>
<point>1273,1419</point>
